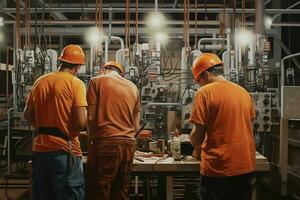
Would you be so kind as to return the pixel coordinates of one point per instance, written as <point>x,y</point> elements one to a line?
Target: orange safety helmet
<point>115,65</point>
<point>204,62</point>
<point>72,54</point>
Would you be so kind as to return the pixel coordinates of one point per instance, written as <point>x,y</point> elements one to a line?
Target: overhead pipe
<point>146,10</point>
<point>282,66</point>
<point>288,8</point>
<point>106,43</point>
<point>210,40</point>
<point>284,47</point>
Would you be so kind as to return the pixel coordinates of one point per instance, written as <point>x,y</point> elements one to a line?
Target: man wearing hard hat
<point>56,108</point>
<point>113,116</point>
<point>222,113</point>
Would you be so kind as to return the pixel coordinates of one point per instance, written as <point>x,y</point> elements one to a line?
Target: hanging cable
<point>27,22</point>
<point>196,23</point>
<point>50,31</point>
<point>136,21</point>
<point>223,22</point>
<point>188,24</point>
<point>126,23</point>
<point>243,15</point>
<point>255,28</point>
<point>184,24</point>
<point>18,24</point>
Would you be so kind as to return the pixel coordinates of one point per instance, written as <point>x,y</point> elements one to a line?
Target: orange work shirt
<point>226,110</point>
<point>53,96</point>
<point>118,103</point>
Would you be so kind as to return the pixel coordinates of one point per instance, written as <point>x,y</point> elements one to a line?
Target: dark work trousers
<point>226,188</point>
<point>54,179</point>
<point>108,169</point>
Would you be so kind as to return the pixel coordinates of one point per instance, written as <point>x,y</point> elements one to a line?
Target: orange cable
<point>196,23</point>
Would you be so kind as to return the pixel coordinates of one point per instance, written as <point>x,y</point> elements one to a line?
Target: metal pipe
<point>284,47</point>
<point>209,40</point>
<point>156,5</point>
<point>163,104</point>
<point>260,17</point>
<point>118,39</point>
<point>175,4</point>
<point>106,50</point>
<point>13,74</point>
<point>7,77</point>
<point>146,10</point>
<point>92,59</point>
<point>291,6</point>
<point>8,140</point>
<point>110,23</point>
<point>282,66</point>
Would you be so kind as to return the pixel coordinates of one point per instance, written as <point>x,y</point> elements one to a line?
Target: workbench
<point>168,168</point>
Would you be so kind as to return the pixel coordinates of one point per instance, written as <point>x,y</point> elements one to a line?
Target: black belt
<point>53,131</point>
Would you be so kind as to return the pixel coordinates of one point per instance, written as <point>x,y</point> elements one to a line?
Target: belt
<point>53,131</point>
<point>56,132</point>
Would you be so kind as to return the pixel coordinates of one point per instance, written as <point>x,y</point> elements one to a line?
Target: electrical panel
<point>262,102</point>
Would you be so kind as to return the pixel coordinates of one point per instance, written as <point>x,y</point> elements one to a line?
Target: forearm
<point>137,121</point>
<point>197,138</point>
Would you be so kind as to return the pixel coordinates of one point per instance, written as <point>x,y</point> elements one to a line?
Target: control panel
<point>262,102</point>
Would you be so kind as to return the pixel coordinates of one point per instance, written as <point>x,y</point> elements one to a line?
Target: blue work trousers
<point>54,178</point>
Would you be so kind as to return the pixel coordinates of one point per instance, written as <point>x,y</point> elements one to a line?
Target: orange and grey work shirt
<point>226,110</point>
<point>117,106</point>
<point>53,96</point>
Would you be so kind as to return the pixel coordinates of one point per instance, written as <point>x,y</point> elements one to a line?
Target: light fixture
<point>156,21</point>
<point>161,37</point>
<point>1,21</point>
<point>1,36</point>
<point>93,36</point>
<point>268,22</point>
<point>244,37</point>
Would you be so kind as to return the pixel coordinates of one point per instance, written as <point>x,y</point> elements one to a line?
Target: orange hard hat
<point>204,62</point>
<point>115,65</point>
<point>72,54</point>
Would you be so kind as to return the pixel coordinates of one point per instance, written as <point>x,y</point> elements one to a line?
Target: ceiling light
<point>268,22</point>
<point>156,20</point>
<point>1,36</point>
<point>161,37</point>
<point>244,37</point>
<point>1,21</point>
<point>94,36</point>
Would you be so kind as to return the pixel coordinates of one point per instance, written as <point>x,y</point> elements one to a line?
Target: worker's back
<point>53,96</point>
<point>118,102</point>
<point>226,110</point>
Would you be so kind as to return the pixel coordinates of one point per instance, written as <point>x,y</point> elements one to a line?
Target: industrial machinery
<point>162,72</point>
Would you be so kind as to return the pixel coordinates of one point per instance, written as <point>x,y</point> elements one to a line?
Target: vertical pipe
<point>8,140</point>
<point>13,74</point>
<point>7,67</point>
<point>156,5</point>
<point>259,17</point>
<point>106,51</point>
<point>92,59</point>
<point>17,30</point>
<point>110,23</point>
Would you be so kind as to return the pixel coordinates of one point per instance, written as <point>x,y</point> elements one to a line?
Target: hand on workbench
<point>197,153</point>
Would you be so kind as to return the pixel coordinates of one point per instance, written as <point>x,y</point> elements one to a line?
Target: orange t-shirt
<point>53,96</point>
<point>118,103</point>
<point>227,110</point>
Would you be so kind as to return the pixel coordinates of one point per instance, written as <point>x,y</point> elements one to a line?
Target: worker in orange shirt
<point>222,115</point>
<point>56,107</point>
<point>113,120</point>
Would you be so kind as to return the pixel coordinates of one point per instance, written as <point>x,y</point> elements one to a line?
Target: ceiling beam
<point>164,10</point>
